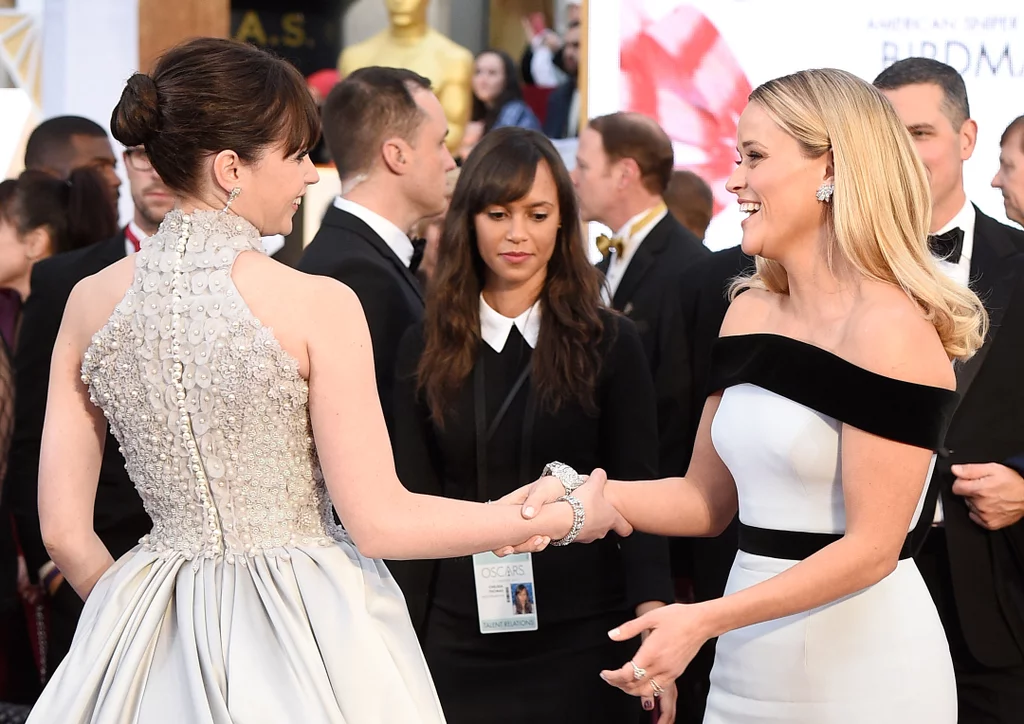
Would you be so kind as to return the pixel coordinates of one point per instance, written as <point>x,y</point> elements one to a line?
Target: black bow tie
<point>948,246</point>
<point>418,245</point>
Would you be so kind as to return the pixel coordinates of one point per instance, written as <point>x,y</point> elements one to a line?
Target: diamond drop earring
<point>234,195</point>
<point>825,192</point>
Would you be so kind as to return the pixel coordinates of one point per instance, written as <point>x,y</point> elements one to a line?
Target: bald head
<point>640,138</point>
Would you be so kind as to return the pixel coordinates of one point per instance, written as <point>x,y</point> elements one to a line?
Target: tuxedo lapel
<point>352,224</point>
<point>993,282</point>
<point>642,262</point>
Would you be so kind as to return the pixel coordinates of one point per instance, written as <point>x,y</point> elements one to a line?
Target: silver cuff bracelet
<point>566,475</point>
<point>579,517</point>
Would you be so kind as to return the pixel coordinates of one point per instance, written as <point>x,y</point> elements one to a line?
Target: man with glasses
<point>119,516</point>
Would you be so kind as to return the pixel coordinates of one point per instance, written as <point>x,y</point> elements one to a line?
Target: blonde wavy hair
<point>881,210</point>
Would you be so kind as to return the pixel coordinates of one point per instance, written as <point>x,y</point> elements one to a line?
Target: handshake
<point>585,497</point>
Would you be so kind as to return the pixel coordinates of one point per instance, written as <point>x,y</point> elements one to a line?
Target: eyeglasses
<point>138,159</point>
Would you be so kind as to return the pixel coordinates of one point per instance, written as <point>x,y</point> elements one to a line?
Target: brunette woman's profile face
<point>516,240</point>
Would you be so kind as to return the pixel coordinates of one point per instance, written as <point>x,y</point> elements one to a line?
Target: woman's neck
<point>820,295</point>
<point>511,301</point>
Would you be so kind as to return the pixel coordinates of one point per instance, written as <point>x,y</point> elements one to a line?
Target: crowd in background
<point>650,310</point>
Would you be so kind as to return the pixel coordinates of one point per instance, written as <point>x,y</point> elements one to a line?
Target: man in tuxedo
<point>704,562</point>
<point>120,519</point>
<point>385,130</point>
<point>623,166</point>
<point>1010,177</point>
<point>973,556</point>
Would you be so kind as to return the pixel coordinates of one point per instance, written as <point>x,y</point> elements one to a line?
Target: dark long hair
<point>76,212</point>
<point>565,365</point>
<point>512,91</point>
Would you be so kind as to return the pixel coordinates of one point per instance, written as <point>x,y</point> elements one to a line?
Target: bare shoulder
<point>93,299</point>
<point>333,303</point>
<point>750,312</point>
<point>889,334</point>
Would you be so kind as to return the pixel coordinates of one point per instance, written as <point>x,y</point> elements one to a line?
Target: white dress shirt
<point>959,272</point>
<point>396,239</point>
<point>618,264</point>
<point>495,327</point>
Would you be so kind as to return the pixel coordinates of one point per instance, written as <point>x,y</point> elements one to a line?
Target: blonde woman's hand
<point>676,634</point>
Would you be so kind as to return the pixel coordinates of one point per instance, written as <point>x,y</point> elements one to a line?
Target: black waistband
<point>791,545</point>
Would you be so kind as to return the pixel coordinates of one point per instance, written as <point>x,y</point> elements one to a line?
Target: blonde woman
<point>831,387</point>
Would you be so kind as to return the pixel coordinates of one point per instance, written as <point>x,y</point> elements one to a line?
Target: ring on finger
<point>656,687</point>
<point>638,673</point>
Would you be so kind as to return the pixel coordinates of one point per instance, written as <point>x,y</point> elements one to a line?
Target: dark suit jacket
<point>649,295</point>
<point>704,304</point>
<point>988,567</point>
<point>119,517</point>
<point>350,251</point>
<point>556,122</point>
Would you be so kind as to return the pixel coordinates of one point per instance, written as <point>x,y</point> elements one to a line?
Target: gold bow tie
<point>606,243</point>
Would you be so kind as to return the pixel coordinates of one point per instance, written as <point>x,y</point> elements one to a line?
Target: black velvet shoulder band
<point>816,378</point>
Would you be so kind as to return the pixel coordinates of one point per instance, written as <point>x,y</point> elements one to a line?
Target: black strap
<point>483,436</point>
<point>790,545</point>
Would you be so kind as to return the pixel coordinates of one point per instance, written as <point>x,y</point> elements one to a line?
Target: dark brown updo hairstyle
<point>75,213</point>
<point>209,95</point>
<point>501,169</point>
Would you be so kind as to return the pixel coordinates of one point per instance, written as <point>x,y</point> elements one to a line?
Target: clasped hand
<point>601,516</point>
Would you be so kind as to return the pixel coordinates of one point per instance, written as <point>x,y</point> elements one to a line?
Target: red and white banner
<point>691,64</point>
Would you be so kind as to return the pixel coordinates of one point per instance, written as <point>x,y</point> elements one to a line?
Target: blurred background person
<point>1010,177</point>
<point>497,99</point>
<point>516,362</point>
<point>119,516</point>
<point>426,234</point>
<point>60,145</point>
<point>563,110</point>
<point>40,215</point>
<point>691,201</point>
<point>43,215</point>
<point>320,84</point>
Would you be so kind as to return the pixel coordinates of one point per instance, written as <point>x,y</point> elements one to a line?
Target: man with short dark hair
<point>973,557</point>
<point>690,200</point>
<point>623,166</point>
<point>62,144</point>
<point>1010,177</point>
<point>386,131</point>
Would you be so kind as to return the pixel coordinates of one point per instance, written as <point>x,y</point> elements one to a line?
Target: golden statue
<point>410,43</point>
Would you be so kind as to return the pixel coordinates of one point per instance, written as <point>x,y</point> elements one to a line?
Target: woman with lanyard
<point>515,360</point>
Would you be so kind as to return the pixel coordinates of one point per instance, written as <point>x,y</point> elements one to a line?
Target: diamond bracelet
<point>579,517</point>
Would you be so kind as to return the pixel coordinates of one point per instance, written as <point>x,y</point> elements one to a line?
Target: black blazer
<point>581,582</point>
<point>347,249</point>
<point>988,567</point>
<point>119,518</point>
<point>648,294</point>
<point>705,561</point>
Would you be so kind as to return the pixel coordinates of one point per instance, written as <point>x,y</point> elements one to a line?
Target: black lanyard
<point>485,433</point>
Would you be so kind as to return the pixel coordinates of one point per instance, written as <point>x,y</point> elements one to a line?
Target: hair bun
<point>136,117</point>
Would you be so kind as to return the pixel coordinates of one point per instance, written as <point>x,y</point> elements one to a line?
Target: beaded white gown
<point>246,603</point>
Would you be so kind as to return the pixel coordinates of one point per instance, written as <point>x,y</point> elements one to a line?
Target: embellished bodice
<point>210,412</point>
